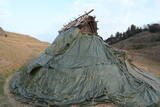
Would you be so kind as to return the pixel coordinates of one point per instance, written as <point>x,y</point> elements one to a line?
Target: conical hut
<point>80,69</point>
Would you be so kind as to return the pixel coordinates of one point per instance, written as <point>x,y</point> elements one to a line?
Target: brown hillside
<point>143,50</point>
<point>17,49</point>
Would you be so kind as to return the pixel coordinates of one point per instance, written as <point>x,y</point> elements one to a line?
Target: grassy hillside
<point>144,50</point>
<point>15,51</point>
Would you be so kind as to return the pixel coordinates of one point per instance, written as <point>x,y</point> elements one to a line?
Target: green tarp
<point>81,69</point>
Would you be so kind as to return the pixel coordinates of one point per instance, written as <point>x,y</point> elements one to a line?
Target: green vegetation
<point>3,78</point>
<point>2,81</point>
<point>3,98</point>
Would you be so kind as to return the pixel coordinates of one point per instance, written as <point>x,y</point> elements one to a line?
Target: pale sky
<point>43,18</point>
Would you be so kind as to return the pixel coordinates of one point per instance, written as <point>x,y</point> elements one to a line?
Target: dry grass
<point>143,50</point>
<point>145,62</point>
<point>17,49</point>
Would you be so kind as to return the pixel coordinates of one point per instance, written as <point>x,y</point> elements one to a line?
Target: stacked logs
<point>85,23</point>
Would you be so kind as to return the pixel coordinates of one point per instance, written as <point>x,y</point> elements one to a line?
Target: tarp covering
<point>81,69</point>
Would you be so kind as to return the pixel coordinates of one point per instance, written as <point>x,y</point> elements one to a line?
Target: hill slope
<point>144,50</point>
<point>17,49</point>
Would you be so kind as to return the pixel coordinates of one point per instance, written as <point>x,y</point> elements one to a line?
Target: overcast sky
<point>43,18</point>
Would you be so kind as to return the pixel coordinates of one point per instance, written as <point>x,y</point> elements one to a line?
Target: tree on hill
<point>154,28</point>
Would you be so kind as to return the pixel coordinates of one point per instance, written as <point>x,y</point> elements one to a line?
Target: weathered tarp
<point>81,69</point>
